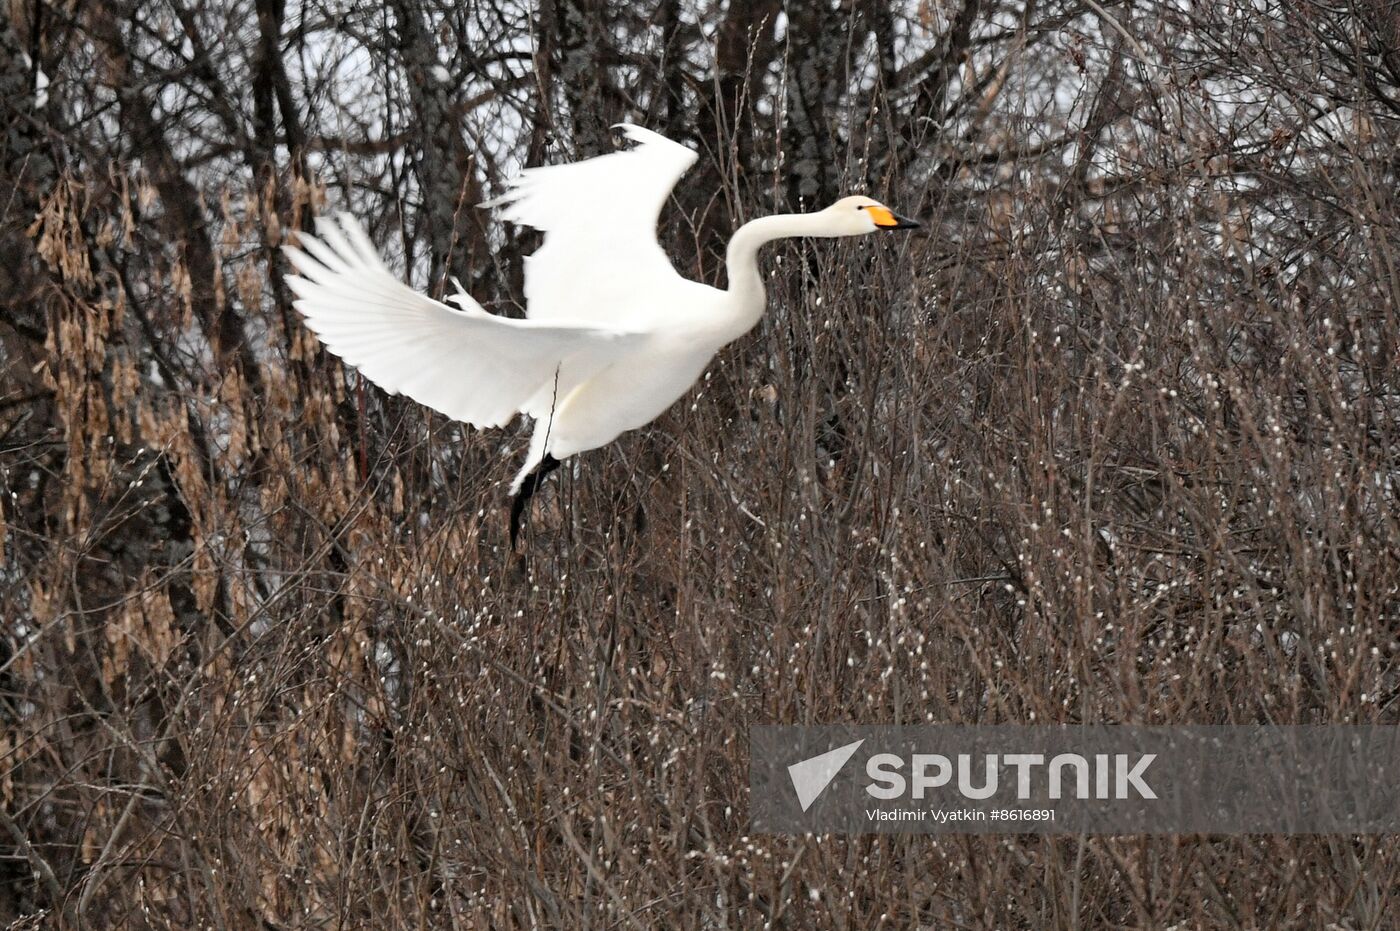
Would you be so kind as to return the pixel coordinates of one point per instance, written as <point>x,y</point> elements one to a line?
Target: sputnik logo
<point>811,776</point>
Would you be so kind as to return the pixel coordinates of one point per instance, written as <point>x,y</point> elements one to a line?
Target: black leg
<point>527,491</point>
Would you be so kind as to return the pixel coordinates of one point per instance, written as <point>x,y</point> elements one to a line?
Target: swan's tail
<point>534,457</point>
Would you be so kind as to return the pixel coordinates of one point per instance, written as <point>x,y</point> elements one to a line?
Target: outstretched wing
<point>600,262</point>
<point>468,364</point>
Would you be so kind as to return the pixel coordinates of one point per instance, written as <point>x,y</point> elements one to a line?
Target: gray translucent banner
<point>1096,780</point>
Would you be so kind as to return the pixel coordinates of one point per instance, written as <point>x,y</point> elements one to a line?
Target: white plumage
<point>600,261</point>
<point>468,364</point>
<point>613,334</point>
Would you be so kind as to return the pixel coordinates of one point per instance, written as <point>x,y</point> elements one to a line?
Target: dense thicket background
<point>1115,441</point>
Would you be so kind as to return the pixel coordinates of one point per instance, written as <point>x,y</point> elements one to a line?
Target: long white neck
<point>745,281</point>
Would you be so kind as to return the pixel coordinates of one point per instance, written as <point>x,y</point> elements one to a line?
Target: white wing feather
<point>600,262</point>
<point>468,364</point>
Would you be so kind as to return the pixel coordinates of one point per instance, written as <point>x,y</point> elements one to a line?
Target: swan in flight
<point>613,335</point>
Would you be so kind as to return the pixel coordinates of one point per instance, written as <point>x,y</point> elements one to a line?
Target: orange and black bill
<point>887,219</point>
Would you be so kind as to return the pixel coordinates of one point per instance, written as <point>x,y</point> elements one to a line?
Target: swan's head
<point>858,215</point>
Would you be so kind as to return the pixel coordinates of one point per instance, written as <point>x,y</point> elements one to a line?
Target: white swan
<point>613,334</point>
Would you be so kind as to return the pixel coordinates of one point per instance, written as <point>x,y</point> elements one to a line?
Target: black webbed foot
<point>527,491</point>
